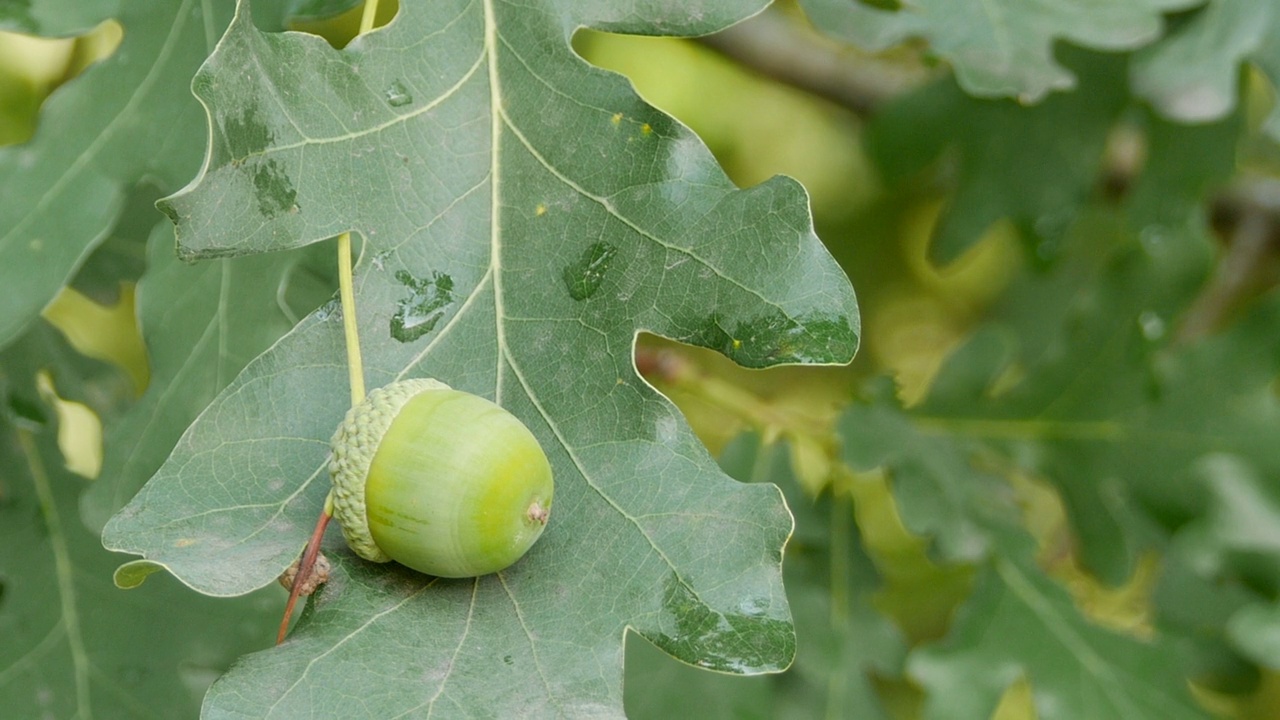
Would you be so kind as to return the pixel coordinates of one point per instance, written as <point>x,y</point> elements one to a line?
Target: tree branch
<point>790,52</point>
<point>1249,218</point>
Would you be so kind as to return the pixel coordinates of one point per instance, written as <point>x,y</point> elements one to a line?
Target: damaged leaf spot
<point>275,190</point>
<point>583,278</point>
<point>419,312</point>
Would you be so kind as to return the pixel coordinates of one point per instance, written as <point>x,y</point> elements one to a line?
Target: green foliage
<point>1191,74</point>
<point>72,639</point>
<point>1039,182</point>
<point>999,47</point>
<point>206,322</point>
<point>1020,623</point>
<point>130,118</point>
<point>830,581</point>
<point>1049,488</point>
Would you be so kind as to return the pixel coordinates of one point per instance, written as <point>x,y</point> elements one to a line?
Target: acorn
<point>439,480</point>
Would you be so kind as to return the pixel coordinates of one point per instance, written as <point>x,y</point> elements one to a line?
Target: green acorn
<point>439,480</point>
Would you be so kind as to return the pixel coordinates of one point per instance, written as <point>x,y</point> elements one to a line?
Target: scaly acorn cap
<point>353,447</point>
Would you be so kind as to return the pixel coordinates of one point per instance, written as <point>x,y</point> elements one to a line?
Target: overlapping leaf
<point>999,47</point>
<point>54,17</point>
<point>76,646</point>
<point>1091,410</point>
<point>940,493</point>
<point>1020,624</point>
<point>1134,431</point>
<point>203,323</point>
<point>1034,165</point>
<point>126,119</point>
<point>1233,551</point>
<point>523,216</point>
<point>1113,434</point>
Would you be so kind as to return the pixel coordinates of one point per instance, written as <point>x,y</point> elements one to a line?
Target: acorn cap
<point>352,450</point>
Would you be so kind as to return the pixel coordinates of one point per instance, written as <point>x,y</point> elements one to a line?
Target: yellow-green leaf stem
<point>355,367</point>
<point>366,19</point>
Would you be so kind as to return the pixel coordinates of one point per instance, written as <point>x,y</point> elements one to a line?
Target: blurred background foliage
<point>1049,485</point>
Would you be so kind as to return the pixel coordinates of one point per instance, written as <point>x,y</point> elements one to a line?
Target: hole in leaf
<point>337,21</point>
<point>79,430</point>
<point>108,333</point>
<point>721,399</point>
<point>31,68</point>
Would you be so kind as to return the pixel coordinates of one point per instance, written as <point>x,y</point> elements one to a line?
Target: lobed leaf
<point>1036,165</point>
<point>842,639</point>
<point>510,263</point>
<point>1020,624</point>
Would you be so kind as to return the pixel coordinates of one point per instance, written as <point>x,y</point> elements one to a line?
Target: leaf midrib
<point>63,571</point>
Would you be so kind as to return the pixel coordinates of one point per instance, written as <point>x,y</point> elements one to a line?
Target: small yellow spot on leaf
<point>540,210</point>
<point>616,119</point>
<point>737,344</point>
<point>184,542</point>
<point>645,129</point>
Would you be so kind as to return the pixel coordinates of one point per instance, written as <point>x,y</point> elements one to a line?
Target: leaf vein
<point>345,639</point>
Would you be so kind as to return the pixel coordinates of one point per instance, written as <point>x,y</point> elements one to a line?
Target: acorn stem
<point>306,565</point>
<point>368,16</point>
<point>355,367</point>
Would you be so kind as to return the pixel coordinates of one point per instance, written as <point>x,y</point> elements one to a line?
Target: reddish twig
<point>304,570</point>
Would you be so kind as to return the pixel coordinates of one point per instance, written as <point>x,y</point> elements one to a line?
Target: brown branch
<point>1249,217</point>
<point>302,582</point>
<point>790,52</point>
